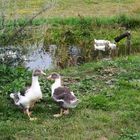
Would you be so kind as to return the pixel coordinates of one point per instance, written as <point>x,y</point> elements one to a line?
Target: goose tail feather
<point>15,97</point>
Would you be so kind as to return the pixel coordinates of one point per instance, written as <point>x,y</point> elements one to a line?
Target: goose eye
<point>54,76</point>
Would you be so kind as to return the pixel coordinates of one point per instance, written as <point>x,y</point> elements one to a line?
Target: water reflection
<point>11,56</point>
<point>64,56</point>
<point>42,57</point>
<point>31,57</point>
<point>38,58</point>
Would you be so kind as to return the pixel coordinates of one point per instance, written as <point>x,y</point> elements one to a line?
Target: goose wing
<point>24,90</point>
<point>18,95</point>
<point>63,94</point>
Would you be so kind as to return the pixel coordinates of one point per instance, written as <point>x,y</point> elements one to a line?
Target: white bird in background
<point>100,48</point>
<point>101,42</point>
<point>112,46</point>
<point>104,45</point>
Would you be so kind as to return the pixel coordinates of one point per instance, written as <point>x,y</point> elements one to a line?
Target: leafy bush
<point>12,79</point>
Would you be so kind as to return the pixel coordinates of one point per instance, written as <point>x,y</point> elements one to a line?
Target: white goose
<point>62,95</point>
<point>32,94</point>
<point>101,45</point>
<point>101,42</point>
<point>112,46</point>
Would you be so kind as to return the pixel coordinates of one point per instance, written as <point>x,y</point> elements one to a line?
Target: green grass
<point>109,103</point>
<point>66,8</point>
<point>121,20</point>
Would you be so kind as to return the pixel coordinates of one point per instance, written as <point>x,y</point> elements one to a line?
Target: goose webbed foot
<point>66,112</point>
<point>29,115</point>
<point>33,119</point>
<point>60,114</point>
<point>29,112</point>
<point>57,115</point>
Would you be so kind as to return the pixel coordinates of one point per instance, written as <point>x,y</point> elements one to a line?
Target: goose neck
<point>56,84</point>
<point>35,81</point>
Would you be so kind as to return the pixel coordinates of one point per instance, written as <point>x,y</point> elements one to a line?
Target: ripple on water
<point>38,58</point>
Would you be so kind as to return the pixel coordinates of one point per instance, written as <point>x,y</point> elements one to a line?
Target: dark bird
<point>62,95</point>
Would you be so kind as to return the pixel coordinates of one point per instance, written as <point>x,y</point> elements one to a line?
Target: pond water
<point>37,56</point>
<point>30,57</point>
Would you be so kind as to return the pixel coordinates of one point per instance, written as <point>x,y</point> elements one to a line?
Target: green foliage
<point>128,22</point>
<point>123,20</point>
<point>129,135</point>
<point>11,79</point>
<point>14,79</point>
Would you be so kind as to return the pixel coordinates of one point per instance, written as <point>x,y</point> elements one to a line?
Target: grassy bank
<point>109,107</point>
<point>95,27</point>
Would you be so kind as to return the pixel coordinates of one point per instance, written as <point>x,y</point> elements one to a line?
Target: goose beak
<point>49,77</point>
<point>43,73</point>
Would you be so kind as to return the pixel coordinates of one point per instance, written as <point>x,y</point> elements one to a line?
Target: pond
<point>38,56</point>
<point>31,57</point>
<point>44,57</point>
